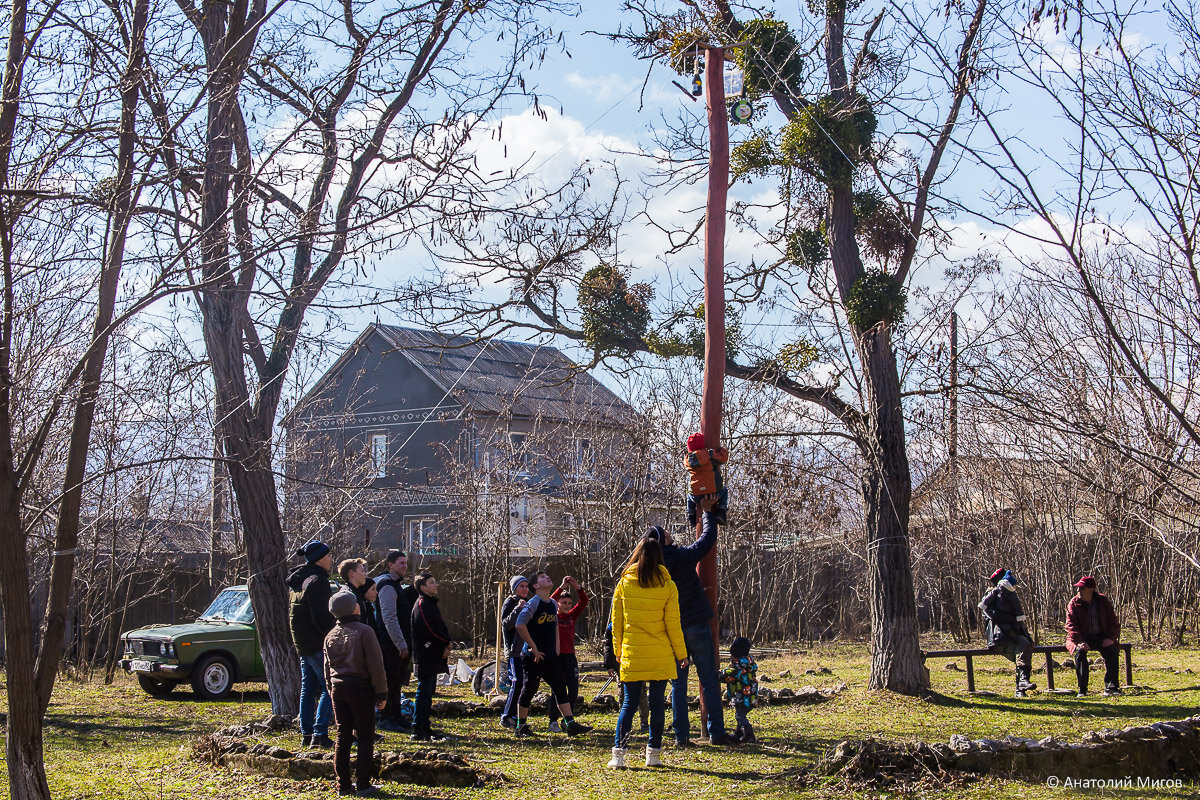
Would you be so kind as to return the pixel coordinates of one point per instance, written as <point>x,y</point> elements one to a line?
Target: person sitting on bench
<point>1006,631</point>
<point>1092,625</point>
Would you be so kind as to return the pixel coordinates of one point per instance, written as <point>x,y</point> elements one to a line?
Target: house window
<point>520,454</point>
<point>378,443</point>
<point>584,456</point>
<point>422,536</point>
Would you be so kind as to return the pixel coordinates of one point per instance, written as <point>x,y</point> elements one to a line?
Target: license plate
<point>140,666</point>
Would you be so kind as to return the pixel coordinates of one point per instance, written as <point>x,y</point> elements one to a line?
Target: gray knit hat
<point>343,604</point>
<point>515,581</point>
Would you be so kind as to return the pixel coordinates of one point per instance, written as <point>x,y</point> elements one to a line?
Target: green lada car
<point>216,651</point>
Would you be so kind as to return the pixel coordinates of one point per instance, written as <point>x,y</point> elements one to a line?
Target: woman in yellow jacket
<point>648,642</point>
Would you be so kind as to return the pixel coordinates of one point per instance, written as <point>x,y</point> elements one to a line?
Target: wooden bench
<point>970,654</point>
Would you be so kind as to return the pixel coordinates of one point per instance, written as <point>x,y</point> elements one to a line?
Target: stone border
<point>420,767</point>
<point>1162,750</point>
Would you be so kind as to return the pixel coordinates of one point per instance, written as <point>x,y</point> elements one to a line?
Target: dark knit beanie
<point>655,534</point>
<point>997,575</point>
<point>361,591</point>
<point>313,551</point>
<point>740,647</point>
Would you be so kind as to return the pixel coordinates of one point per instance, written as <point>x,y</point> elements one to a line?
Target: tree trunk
<point>23,742</point>
<point>247,446</point>
<point>896,662</point>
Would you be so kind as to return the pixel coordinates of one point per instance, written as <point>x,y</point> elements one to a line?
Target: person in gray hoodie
<point>357,680</point>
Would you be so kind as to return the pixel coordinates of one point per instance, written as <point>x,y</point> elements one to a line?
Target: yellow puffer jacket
<point>647,639</point>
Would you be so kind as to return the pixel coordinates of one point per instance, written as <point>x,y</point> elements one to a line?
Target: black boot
<point>1023,683</point>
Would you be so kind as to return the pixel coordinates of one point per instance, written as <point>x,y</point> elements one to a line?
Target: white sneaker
<point>555,728</point>
<point>618,758</point>
<point>652,756</point>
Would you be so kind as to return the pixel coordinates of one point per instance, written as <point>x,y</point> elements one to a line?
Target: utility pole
<point>952,460</point>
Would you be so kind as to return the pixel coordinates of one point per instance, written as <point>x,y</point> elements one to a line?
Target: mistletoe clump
<point>830,138</point>
<point>874,298</point>
<point>681,47</point>
<point>795,357</point>
<point>807,248</point>
<point>881,230</point>
<point>615,313</point>
<point>754,157</point>
<point>770,58</point>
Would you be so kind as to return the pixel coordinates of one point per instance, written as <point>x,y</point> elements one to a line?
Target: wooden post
<point>500,586</point>
<point>714,304</point>
<point>970,675</point>
<point>1128,648</point>
<point>1049,672</point>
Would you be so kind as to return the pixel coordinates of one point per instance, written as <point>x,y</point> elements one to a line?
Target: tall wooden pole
<point>714,299</point>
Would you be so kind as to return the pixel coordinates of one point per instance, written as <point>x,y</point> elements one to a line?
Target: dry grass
<point>116,742</point>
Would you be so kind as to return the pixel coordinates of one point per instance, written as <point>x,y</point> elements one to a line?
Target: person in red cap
<point>1092,625</point>
<point>704,470</point>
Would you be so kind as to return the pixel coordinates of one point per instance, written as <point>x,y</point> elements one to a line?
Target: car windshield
<point>231,605</point>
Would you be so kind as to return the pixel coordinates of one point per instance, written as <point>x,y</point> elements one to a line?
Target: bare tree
<point>854,209</point>
<point>37,143</point>
<point>316,152</point>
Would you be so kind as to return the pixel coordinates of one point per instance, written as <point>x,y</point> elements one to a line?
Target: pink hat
<point>1086,582</point>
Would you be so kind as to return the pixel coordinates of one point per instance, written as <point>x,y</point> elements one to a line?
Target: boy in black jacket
<point>310,621</point>
<point>519,586</point>
<point>431,647</point>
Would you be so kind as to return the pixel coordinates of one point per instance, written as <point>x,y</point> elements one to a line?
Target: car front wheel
<point>212,677</point>
<point>155,687</point>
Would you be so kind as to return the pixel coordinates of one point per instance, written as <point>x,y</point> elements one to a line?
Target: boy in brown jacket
<point>354,672</point>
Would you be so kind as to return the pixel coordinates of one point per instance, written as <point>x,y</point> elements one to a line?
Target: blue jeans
<point>516,682</point>
<point>629,706</point>
<point>423,708</point>
<point>316,707</point>
<point>703,654</point>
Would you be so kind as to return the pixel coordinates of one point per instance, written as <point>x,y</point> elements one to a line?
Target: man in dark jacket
<point>394,627</point>
<point>310,621</point>
<point>1092,625</point>
<point>354,672</point>
<point>430,649</point>
<point>1007,633</point>
<point>519,586</point>
<point>694,615</point>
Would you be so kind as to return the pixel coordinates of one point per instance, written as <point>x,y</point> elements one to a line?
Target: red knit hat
<point>696,442</point>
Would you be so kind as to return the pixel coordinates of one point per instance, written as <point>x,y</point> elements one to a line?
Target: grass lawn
<point>117,742</point>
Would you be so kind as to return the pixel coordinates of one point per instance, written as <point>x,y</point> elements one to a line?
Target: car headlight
<point>170,650</point>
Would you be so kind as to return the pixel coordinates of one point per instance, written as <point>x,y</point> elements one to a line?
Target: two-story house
<point>436,444</point>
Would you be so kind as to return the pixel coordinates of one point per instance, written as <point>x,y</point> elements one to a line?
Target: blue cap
<point>515,581</point>
<point>1012,579</point>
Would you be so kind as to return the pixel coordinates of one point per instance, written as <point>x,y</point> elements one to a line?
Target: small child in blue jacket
<point>741,687</point>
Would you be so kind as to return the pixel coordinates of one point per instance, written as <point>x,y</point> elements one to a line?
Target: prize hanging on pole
<point>741,109</point>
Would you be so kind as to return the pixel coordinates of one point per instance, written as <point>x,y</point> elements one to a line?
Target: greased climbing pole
<point>714,299</point>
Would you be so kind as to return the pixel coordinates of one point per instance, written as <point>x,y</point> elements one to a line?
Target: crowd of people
<point>361,646</point>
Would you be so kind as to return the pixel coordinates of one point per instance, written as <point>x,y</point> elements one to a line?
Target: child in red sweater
<point>569,612</point>
<point>704,470</point>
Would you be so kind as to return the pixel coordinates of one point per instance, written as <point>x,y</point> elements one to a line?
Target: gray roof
<point>494,376</point>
